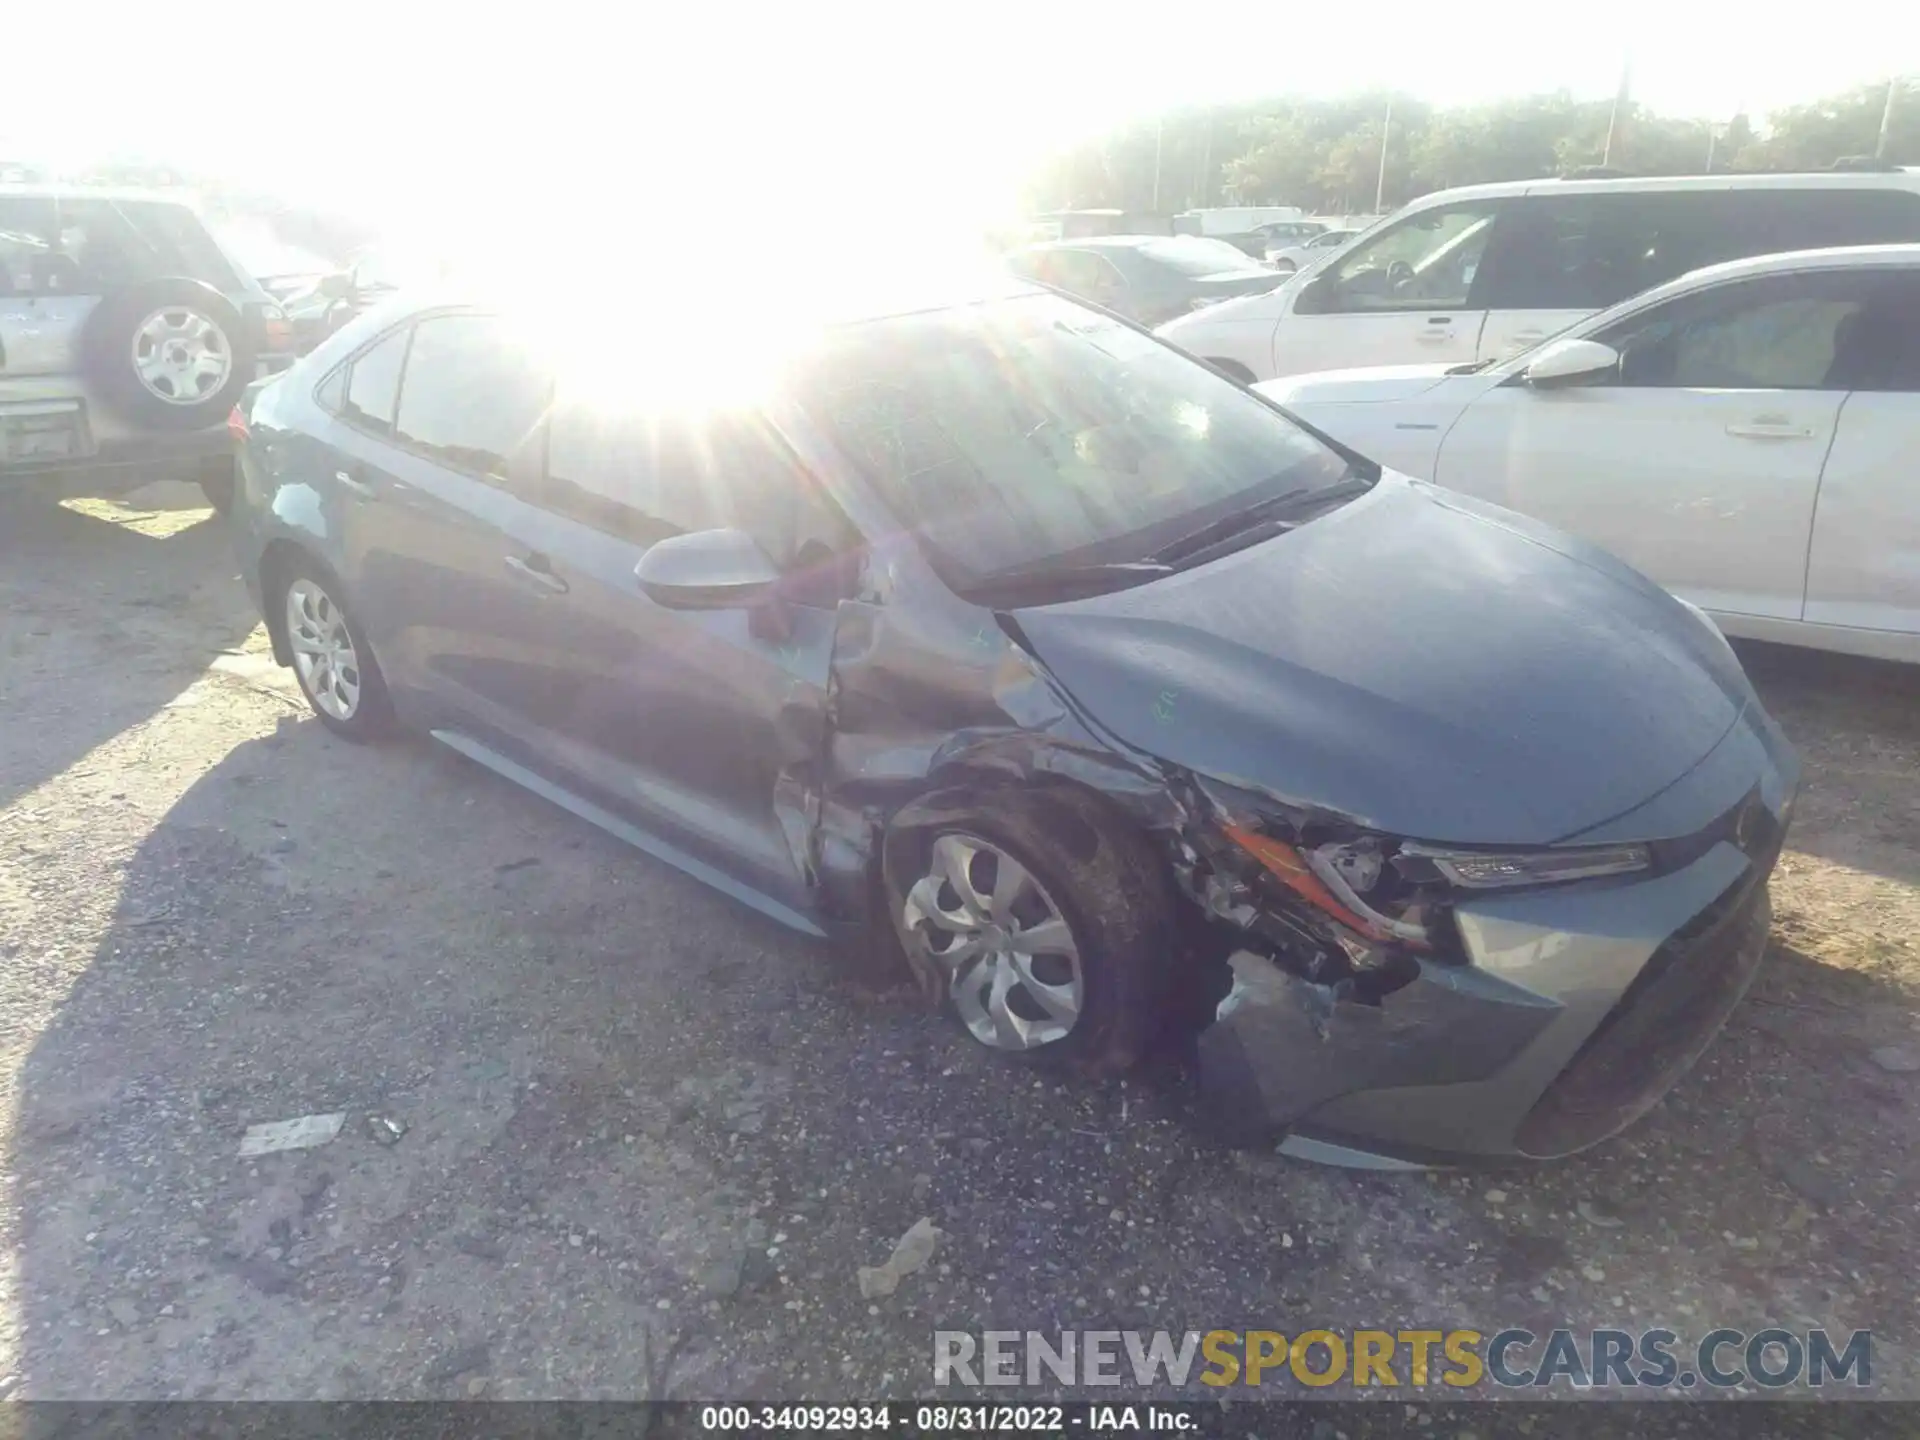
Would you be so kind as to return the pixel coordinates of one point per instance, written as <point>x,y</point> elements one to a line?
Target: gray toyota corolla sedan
<point>994,632</point>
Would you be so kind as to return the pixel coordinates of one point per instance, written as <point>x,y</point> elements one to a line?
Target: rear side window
<point>1586,252</point>
<point>474,395</point>
<point>180,243</point>
<point>373,384</point>
<point>31,261</point>
<point>1762,222</point>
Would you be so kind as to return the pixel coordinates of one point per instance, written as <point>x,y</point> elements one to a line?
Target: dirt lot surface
<point>649,1138</point>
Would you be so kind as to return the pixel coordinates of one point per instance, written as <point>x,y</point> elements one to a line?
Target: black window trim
<point>344,368</point>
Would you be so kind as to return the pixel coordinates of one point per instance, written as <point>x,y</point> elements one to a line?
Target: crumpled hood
<point>1371,384</point>
<point>1430,666</point>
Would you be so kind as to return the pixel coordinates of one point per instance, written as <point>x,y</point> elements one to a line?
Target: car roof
<point>1889,179</point>
<point>120,194</point>
<point>939,291</point>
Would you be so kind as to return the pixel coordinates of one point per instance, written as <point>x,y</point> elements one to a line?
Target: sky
<point>427,108</point>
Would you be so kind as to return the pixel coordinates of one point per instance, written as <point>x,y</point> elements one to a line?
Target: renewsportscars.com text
<point>1656,1359</point>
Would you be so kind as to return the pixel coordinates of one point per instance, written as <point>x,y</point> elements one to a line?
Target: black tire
<point>1114,894</point>
<point>1285,267</point>
<point>372,715</point>
<point>108,350</point>
<point>218,482</point>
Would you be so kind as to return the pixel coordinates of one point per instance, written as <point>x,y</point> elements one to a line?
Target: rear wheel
<point>336,670</point>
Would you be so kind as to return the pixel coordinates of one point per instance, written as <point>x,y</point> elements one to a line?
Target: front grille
<point>1659,1026</point>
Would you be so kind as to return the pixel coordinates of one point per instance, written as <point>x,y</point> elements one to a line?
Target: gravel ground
<point>648,1138</point>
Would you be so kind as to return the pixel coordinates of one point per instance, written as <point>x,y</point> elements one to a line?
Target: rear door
<point>1864,567</point>
<point>444,537</point>
<point>1405,296</point>
<point>1698,463</point>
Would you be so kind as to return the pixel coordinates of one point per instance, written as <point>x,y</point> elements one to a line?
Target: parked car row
<point>1744,435</point>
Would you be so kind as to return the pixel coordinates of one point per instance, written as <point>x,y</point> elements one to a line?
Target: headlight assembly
<point>1500,870</point>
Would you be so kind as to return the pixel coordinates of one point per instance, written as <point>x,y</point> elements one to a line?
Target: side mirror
<point>1316,296</point>
<point>1571,362</point>
<point>336,287</point>
<point>706,570</point>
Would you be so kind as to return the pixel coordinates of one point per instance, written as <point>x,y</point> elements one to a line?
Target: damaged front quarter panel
<point>928,708</point>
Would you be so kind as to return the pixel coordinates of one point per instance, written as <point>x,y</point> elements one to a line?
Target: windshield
<point>1031,431</point>
<point>1192,255</point>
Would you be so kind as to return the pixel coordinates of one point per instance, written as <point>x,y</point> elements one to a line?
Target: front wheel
<point>1047,930</point>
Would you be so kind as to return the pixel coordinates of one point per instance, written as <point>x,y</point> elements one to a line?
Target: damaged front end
<point>1394,1004</point>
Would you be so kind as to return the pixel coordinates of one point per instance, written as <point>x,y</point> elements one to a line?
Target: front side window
<point>1796,332</point>
<point>1426,261</point>
<point>1023,433</point>
<point>373,383</point>
<point>474,393</point>
<point>638,475</point>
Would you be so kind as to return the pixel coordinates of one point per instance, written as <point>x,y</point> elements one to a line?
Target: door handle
<point>537,571</point>
<point>353,484</point>
<point>1434,337</point>
<point>1527,337</point>
<point>1771,430</point>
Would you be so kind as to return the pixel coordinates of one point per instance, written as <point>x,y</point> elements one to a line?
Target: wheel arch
<point>278,563</point>
<point>1081,817</point>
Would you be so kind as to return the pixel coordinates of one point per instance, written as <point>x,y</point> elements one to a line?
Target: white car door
<point>1403,296</point>
<point>1699,460</point>
<point>1864,566</point>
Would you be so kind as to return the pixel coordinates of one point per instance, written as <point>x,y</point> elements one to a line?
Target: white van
<point>1481,273</point>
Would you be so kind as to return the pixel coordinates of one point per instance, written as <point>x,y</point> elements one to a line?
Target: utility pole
<point>1159,135</point>
<point>1886,119</point>
<point>1616,123</point>
<point>1380,186</point>
<point>1206,163</point>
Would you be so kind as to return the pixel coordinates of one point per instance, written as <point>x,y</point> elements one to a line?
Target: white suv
<point>1482,273</point>
<point>126,336</point>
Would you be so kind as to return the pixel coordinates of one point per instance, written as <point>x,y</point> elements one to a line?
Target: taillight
<point>237,424</point>
<point>278,333</point>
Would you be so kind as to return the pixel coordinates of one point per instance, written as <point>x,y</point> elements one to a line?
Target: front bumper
<point>1582,1006</point>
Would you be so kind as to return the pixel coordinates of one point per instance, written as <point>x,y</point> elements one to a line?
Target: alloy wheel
<point>323,652</point>
<point>1011,960</point>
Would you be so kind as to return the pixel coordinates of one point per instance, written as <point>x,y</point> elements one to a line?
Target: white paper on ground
<point>301,1134</point>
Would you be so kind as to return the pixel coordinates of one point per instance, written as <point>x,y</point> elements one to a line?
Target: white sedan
<point>1747,435</point>
<point>1293,255</point>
